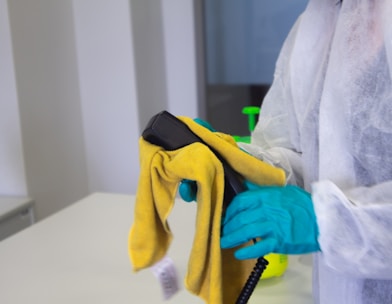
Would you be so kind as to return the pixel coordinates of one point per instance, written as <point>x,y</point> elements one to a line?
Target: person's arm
<point>276,138</point>
<point>355,228</point>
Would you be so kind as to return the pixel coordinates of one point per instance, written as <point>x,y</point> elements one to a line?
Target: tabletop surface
<point>79,255</point>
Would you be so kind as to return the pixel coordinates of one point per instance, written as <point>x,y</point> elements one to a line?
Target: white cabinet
<point>15,214</point>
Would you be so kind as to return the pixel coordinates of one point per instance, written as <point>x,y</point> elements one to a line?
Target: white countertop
<point>79,255</point>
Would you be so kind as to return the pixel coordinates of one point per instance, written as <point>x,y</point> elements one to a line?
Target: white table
<point>79,255</point>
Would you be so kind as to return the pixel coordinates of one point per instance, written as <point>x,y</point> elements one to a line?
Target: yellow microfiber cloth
<point>213,274</point>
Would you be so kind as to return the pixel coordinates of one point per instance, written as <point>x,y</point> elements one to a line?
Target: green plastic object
<point>252,112</point>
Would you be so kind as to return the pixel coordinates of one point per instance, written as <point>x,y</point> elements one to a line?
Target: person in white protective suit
<point>327,121</point>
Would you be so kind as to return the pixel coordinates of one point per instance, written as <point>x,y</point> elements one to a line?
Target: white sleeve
<point>283,158</point>
<point>276,138</point>
<point>355,228</point>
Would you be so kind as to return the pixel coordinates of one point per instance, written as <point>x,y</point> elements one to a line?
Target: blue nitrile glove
<point>282,219</point>
<point>205,124</point>
<point>188,188</point>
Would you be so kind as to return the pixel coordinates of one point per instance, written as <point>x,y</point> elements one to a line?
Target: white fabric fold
<point>327,121</point>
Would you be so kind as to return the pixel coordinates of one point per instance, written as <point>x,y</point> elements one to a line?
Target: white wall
<point>108,93</point>
<point>50,110</point>
<point>165,57</point>
<point>89,74</point>
<point>12,172</point>
<point>180,57</point>
<point>149,57</point>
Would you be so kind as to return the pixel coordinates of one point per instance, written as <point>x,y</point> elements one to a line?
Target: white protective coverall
<point>327,120</point>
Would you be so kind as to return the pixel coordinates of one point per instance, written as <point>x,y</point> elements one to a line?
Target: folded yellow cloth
<point>213,274</point>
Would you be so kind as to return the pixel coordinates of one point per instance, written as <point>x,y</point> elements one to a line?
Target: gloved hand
<point>188,188</point>
<point>282,217</point>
